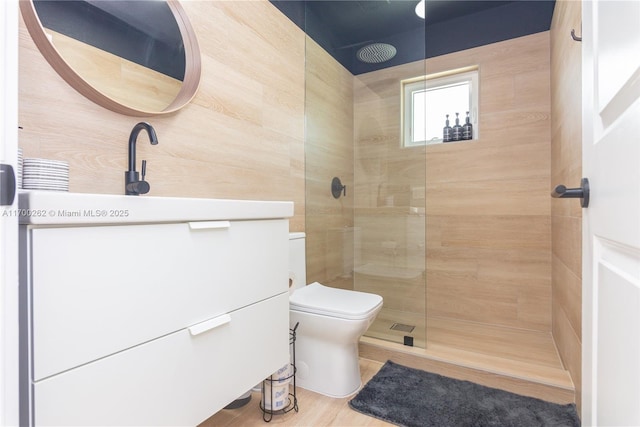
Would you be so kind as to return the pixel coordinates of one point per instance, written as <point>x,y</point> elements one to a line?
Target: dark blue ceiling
<point>342,27</point>
<point>144,32</point>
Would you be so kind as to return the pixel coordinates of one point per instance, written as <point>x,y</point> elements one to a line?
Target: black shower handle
<point>337,189</point>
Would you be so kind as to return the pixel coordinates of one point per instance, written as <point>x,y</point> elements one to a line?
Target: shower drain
<point>402,327</point>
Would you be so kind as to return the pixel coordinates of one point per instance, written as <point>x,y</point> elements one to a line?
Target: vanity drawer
<point>158,279</point>
<point>177,380</point>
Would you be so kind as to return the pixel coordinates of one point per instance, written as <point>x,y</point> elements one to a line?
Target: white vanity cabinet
<point>150,324</point>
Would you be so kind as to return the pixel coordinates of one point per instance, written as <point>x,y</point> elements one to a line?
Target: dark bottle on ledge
<point>467,128</point>
<point>456,134</point>
<point>446,132</point>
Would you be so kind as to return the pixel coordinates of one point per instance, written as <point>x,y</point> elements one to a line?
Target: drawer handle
<point>209,225</point>
<point>208,325</point>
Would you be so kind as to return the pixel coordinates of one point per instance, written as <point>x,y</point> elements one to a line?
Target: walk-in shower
<point>454,236</point>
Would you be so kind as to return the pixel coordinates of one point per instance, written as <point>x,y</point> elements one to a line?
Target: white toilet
<point>331,321</point>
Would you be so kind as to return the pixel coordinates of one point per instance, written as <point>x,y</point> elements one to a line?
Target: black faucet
<point>132,184</point>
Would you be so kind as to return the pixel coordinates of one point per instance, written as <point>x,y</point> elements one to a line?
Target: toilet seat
<point>345,304</point>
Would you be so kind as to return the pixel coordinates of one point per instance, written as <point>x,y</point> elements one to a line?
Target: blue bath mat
<point>413,398</point>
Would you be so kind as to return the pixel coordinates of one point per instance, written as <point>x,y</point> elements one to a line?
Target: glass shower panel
<point>372,238</point>
<point>389,206</point>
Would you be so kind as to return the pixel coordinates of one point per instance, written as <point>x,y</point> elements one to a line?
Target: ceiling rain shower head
<point>376,53</point>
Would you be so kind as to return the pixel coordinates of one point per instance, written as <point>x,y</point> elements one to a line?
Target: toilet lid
<point>320,299</point>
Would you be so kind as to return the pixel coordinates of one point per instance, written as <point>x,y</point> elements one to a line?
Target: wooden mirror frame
<point>192,63</point>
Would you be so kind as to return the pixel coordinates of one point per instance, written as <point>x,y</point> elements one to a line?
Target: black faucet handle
<point>135,186</point>
<point>138,187</point>
<point>144,169</point>
<point>143,187</point>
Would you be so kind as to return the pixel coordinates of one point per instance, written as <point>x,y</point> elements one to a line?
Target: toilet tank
<point>297,261</point>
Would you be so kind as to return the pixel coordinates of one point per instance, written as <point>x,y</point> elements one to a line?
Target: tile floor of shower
<point>498,355</point>
<point>500,342</point>
<point>515,344</point>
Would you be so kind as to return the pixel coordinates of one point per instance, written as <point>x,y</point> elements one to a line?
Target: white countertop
<point>57,207</point>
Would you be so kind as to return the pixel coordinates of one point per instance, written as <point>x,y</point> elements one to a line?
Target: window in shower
<point>427,100</point>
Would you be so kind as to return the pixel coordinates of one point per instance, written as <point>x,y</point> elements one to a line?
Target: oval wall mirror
<point>134,57</point>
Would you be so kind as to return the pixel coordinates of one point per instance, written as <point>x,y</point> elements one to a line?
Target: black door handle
<point>7,185</point>
<point>562,192</point>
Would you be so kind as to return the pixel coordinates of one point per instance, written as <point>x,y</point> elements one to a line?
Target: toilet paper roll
<point>275,397</point>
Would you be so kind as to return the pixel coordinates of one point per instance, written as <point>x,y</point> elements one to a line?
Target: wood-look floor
<point>520,361</point>
<point>314,410</point>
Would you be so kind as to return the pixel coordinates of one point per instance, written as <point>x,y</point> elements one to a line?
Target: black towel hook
<point>573,36</point>
<point>562,192</point>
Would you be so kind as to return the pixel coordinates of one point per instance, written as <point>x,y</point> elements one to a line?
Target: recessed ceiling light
<point>421,9</point>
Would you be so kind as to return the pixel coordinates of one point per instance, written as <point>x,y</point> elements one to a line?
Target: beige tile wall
<point>566,168</point>
<point>242,136</point>
<point>488,223</point>
<point>329,153</point>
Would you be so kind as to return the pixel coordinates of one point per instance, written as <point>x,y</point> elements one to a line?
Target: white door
<point>8,220</point>
<point>611,224</point>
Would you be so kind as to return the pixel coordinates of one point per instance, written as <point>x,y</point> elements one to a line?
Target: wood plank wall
<point>118,78</point>
<point>488,224</point>
<point>329,153</point>
<point>566,168</point>
<point>242,137</point>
